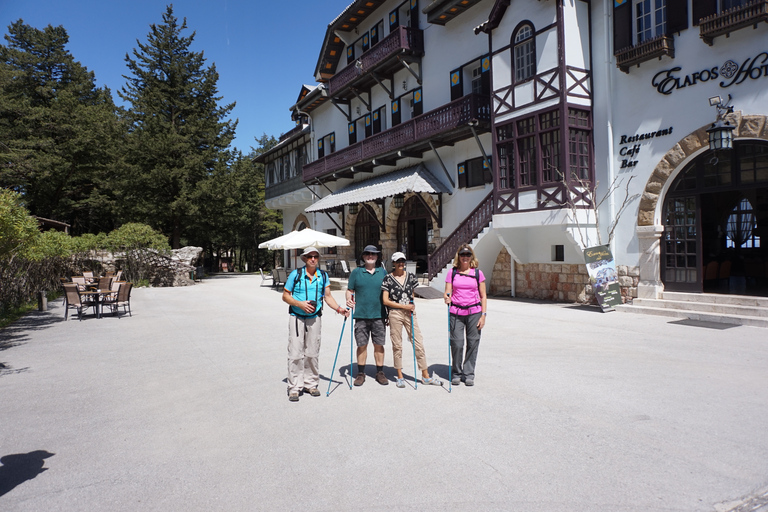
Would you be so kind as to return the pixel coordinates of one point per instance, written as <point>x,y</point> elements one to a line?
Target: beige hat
<point>308,251</point>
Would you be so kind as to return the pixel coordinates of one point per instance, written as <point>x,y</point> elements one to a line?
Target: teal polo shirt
<point>367,288</point>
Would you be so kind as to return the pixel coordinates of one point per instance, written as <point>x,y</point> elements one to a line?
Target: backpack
<point>477,278</point>
<point>297,281</point>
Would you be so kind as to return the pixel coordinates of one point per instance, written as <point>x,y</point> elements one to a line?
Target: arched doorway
<point>715,217</point>
<point>414,232</point>
<point>366,230</point>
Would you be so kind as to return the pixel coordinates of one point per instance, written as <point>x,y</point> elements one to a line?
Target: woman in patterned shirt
<point>398,298</point>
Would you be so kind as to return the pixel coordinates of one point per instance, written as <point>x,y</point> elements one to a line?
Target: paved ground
<point>183,407</point>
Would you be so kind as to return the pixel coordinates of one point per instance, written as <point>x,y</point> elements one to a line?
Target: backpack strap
<point>477,277</point>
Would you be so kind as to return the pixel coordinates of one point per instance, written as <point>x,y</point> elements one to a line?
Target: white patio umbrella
<point>302,239</point>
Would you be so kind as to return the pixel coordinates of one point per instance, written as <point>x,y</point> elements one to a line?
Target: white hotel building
<point>490,122</point>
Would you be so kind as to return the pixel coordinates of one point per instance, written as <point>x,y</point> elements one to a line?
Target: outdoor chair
<point>88,276</point>
<point>72,300</point>
<point>123,299</point>
<point>344,268</point>
<point>80,282</point>
<point>105,283</point>
<point>264,277</point>
<point>119,275</point>
<point>282,276</point>
<point>410,266</point>
<point>352,265</point>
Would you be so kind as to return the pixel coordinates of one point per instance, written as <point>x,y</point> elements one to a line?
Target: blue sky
<point>263,50</point>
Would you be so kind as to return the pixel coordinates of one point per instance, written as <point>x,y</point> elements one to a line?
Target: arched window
<point>524,53</point>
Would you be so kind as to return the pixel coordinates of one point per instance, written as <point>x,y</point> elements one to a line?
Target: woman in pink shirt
<point>465,292</point>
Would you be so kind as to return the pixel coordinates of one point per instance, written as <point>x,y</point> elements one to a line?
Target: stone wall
<point>558,282</point>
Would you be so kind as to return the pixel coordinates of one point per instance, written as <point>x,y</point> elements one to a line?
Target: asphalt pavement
<point>183,406</point>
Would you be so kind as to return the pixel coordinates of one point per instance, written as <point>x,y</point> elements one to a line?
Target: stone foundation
<point>559,282</point>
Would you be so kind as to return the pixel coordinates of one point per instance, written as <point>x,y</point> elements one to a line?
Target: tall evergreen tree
<point>59,133</point>
<point>178,136</point>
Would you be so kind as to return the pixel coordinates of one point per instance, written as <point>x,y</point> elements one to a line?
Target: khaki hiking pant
<point>303,350</point>
<point>399,318</point>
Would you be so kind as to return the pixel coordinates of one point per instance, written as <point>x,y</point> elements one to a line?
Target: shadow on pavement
<point>19,332</point>
<point>20,467</point>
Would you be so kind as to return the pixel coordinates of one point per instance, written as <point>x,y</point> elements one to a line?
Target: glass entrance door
<point>681,250</point>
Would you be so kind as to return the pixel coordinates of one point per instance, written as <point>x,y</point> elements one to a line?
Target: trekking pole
<point>413,343</point>
<point>330,380</point>
<point>450,379</point>
<point>352,342</point>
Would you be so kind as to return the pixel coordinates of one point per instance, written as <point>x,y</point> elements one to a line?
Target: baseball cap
<point>309,250</point>
<point>371,249</point>
<point>398,256</point>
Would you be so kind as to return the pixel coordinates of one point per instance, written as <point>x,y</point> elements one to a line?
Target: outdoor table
<point>98,298</point>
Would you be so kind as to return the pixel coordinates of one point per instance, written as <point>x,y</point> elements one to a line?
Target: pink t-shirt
<point>465,292</point>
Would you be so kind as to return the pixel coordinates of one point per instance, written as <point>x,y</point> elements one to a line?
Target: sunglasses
<point>468,254</point>
<point>400,261</point>
<point>313,256</point>
<point>369,254</point>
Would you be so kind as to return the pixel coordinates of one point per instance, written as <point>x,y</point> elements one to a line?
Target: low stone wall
<point>560,282</point>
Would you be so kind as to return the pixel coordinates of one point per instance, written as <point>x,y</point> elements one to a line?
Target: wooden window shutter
<point>462,171</point>
<point>456,87</point>
<point>677,16</point>
<point>622,25</point>
<point>394,20</point>
<point>702,9</point>
<point>418,105</point>
<point>366,42</point>
<point>375,35</point>
<point>396,112</point>
<point>350,54</point>
<point>414,14</point>
<point>377,120</point>
<point>320,150</point>
<point>485,75</point>
<point>352,133</point>
<point>368,127</point>
<point>487,176</point>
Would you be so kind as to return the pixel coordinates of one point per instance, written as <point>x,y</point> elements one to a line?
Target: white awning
<point>412,179</point>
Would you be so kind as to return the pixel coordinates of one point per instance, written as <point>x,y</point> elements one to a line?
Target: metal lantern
<point>721,135</point>
<point>399,200</point>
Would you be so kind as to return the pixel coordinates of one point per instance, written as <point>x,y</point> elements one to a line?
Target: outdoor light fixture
<point>353,208</point>
<point>721,131</point>
<point>399,200</point>
<point>405,85</point>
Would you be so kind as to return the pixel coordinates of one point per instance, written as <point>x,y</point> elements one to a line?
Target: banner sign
<point>603,276</point>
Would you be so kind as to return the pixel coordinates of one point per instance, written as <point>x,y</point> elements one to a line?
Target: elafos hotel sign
<point>730,73</point>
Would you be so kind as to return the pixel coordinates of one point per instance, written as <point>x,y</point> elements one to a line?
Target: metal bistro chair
<point>105,283</point>
<point>265,277</point>
<point>72,297</point>
<point>123,299</point>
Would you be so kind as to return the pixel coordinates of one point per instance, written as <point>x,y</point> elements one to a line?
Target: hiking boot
<point>359,379</point>
<point>381,378</point>
<point>293,397</point>
<point>456,381</point>
<point>469,382</point>
<point>313,391</point>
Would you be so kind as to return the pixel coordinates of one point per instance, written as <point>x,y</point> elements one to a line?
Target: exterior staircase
<point>708,307</point>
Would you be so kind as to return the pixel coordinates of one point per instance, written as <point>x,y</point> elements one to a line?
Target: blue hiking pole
<point>413,342</point>
<point>450,380</point>
<point>352,343</point>
<point>330,380</point>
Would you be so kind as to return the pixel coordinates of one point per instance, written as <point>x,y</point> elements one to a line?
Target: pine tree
<point>59,133</point>
<point>178,134</point>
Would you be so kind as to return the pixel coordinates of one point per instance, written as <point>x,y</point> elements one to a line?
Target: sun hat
<point>309,250</point>
<point>465,250</point>
<point>371,249</point>
<point>398,256</point>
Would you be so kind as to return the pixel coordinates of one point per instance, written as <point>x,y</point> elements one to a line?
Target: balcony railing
<point>733,19</point>
<point>475,222</point>
<point>402,40</point>
<point>415,132</point>
<point>647,50</point>
<point>284,187</point>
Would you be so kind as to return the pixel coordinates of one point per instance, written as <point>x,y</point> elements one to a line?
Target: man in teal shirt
<point>364,295</point>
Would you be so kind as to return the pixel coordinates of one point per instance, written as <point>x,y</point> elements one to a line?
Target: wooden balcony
<point>647,50</point>
<point>284,187</point>
<point>380,59</point>
<point>726,22</point>
<point>444,125</point>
